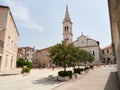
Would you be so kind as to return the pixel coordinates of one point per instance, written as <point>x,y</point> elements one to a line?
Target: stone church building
<point>90,45</point>
<point>82,42</point>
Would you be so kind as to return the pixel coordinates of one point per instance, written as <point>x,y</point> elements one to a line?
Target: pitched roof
<point>87,38</point>
<point>109,46</point>
<point>25,48</point>
<point>48,48</point>
<point>4,6</point>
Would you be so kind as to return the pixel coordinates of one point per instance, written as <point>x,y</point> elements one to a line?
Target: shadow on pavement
<point>112,83</point>
<point>45,81</point>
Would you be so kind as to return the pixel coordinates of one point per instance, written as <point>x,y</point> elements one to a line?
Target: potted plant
<point>25,71</point>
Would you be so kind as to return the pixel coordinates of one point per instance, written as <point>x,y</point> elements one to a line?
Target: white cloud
<point>22,14</point>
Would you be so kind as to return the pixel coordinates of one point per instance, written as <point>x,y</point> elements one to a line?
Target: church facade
<point>90,45</point>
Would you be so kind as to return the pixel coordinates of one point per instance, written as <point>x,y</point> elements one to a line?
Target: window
<point>118,26</point>
<point>6,60</point>
<point>1,43</point>
<point>103,60</point>
<point>93,53</point>
<point>103,51</point>
<point>8,40</point>
<point>67,38</point>
<point>66,28</point>
<point>11,62</point>
<point>108,60</point>
<point>11,44</point>
<point>107,50</point>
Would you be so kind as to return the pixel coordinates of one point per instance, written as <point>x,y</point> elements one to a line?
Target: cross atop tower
<point>82,33</point>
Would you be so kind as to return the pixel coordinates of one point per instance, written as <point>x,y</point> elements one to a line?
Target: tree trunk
<point>85,64</point>
<point>78,64</point>
<point>64,67</point>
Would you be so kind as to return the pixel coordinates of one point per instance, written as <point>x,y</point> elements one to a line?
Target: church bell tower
<point>67,28</point>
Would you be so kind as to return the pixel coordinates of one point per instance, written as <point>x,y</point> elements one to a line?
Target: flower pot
<point>26,74</point>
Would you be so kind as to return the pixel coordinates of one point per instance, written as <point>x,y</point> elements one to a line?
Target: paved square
<point>98,79</point>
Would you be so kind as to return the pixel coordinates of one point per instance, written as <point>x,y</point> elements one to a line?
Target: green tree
<point>91,58</point>
<point>86,57</point>
<point>76,55</point>
<point>22,62</point>
<point>67,55</point>
<point>61,54</point>
<point>83,56</point>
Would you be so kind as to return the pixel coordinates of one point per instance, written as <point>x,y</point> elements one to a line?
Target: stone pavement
<point>103,78</point>
<point>37,80</point>
<point>11,72</point>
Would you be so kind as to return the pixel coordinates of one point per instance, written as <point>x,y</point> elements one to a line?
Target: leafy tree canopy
<point>67,55</point>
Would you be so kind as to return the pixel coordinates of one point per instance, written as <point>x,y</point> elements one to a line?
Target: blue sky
<point>39,22</point>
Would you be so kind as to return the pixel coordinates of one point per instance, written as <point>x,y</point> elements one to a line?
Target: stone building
<point>107,55</point>
<point>43,58</point>
<point>90,45</point>
<point>25,53</point>
<point>8,39</point>
<point>114,12</point>
<point>36,59</point>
